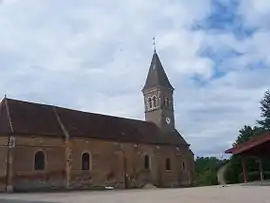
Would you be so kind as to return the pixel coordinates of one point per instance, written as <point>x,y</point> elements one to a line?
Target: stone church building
<point>45,147</point>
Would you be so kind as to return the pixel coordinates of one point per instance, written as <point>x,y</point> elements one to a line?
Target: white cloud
<point>94,55</point>
<point>255,12</point>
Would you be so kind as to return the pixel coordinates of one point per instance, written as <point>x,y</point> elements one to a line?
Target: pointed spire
<point>156,75</point>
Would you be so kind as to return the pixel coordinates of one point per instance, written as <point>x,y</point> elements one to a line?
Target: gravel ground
<point>217,194</point>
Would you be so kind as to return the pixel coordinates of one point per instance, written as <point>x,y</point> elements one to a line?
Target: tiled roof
<point>40,119</point>
<point>156,75</point>
<point>254,142</point>
<point>4,122</point>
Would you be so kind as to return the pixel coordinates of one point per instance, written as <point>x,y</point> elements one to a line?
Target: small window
<point>183,164</point>
<point>85,162</point>
<point>168,164</point>
<point>39,161</point>
<point>150,102</point>
<point>146,162</point>
<point>155,101</point>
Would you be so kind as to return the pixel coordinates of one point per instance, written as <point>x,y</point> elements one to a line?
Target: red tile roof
<point>40,119</point>
<point>252,143</point>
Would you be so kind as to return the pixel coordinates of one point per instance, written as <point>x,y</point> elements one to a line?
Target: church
<point>45,147</point>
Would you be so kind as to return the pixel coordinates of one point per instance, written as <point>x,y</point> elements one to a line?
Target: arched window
<point>155,101</point>
<point>39,161</point>
<point>168,164</point>
<point>150,102</point>
<point>85,161</point>
<point>183,164</point>
<point>146,162</point>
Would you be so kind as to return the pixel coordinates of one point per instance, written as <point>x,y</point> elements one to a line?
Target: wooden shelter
<point>259,147</point>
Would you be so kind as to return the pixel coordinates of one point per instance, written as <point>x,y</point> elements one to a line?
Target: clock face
<point>168,120</point>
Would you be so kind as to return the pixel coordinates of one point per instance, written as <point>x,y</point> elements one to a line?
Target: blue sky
<point>94,56</point>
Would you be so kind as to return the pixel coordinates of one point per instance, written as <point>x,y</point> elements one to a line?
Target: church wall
<point>191,167</point>
<point>172,177</point>
<point>3,161</point>
<point>25,177</point>
<point>112,160</point>
<point>137,174</point>
<point>105,165</point>
<point>187,174</point>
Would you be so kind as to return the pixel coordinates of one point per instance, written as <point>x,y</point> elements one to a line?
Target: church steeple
<point>156,75</point>
<point>158,96</point>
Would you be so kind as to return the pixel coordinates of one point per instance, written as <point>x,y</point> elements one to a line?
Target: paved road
<point>217,194</point>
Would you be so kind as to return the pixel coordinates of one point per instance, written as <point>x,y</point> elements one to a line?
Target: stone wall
<point>3,161</point>
<point>120,165</point>
<point>25,178</point>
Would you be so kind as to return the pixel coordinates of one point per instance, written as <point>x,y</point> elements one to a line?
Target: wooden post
<point>244,170</point>
<point>260,169</point>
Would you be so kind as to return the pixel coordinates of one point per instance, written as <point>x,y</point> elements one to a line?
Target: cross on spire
<point>154,43</point>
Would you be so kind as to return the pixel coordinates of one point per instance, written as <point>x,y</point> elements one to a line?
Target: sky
<point>94,55</point>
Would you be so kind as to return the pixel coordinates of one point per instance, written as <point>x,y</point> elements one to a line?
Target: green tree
<point>265,112</point>
<point>206,170</point>
<point>244,135</point>
<point>234,170</point>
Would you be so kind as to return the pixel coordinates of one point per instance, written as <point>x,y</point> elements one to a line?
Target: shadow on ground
<point>21,201</point>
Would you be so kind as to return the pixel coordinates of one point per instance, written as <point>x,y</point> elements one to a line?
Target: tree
<point>234,170</point>
<point>206,170</point>
<point>265,112</point>
<point>244,135</point>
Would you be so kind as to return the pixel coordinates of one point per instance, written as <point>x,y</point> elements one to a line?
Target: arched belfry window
<point>150,102</point>
<point>146,162</point>
<point>155,101</point>
<point>86,159</point>
<point>168,164</point>
<point>39,161</point>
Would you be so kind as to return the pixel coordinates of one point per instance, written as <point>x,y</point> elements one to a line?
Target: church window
<point>183,164</point>
<point>155,101</point>
<point>146,162</point>
<point>168,164</point>
<point>150,102</point>
<point>86,161</point>
<point>39,161</point>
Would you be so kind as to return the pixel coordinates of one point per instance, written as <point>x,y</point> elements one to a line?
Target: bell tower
<point>158,96</point>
